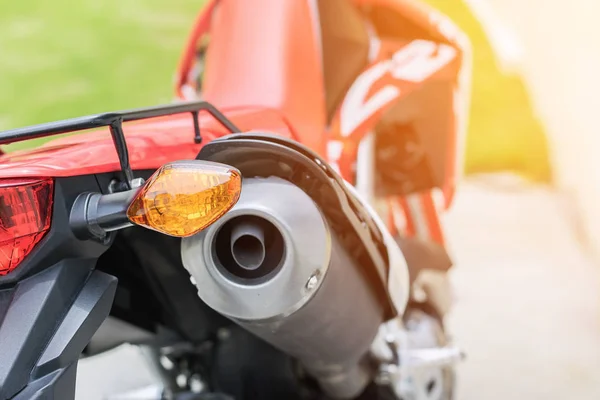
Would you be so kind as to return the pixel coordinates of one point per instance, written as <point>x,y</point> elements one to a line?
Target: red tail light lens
<point>25,213</point>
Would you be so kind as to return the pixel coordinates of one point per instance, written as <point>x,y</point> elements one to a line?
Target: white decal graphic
<point>334,152</point>
<point>421,59</point>
<point>414,62</point>
<point>356,108</point>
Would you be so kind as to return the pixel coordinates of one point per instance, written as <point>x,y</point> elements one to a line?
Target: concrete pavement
<point>527,310</point>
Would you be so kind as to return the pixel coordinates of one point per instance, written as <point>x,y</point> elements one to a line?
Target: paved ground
<point>527,310</point>
<point>527,307</point>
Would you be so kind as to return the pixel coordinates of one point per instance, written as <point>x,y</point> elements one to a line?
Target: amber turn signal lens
<point>184,197</point>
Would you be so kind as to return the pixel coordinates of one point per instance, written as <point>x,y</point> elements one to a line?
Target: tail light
<point>25,214</point>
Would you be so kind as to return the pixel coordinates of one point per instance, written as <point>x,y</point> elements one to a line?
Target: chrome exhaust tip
<point>248,249</point>
<point>248,244</point>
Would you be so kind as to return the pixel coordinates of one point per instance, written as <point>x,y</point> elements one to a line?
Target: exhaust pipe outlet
<point>248,244</point>
<point>273,266</point>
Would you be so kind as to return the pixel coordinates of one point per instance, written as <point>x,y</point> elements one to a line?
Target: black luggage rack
<point>114,120</point>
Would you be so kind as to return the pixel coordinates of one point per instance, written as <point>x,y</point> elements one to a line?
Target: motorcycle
<point>272,234</point>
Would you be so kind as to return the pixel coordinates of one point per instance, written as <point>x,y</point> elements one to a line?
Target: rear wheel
<point>425,329</point>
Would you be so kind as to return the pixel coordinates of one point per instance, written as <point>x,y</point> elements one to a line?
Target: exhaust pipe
<point>248,244</point>
<point>273,266</point>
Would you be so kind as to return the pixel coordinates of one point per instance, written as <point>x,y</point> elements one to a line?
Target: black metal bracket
<point>115,120</point>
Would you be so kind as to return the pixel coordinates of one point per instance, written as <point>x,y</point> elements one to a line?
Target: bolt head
<point>313,281</point>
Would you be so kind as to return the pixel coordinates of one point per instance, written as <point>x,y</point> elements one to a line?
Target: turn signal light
<point>184,197</point>
<point>25,213</point>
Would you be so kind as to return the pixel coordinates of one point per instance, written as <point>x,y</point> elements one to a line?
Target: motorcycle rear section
<point>300,290</point>
<point>327,301</point>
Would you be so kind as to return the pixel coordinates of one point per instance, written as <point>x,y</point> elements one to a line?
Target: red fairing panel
<point>151,143</point>
<point>267,53</point>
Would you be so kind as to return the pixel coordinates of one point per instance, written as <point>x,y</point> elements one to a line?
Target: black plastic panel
<point>5,296</point>
<point>60,385</point>
<point>51,318</point>
<point>38,304</point>
<point>89,310</point>
<point>51,305</point>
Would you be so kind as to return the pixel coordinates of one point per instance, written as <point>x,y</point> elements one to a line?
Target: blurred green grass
<point>63,59</point>
<point>504,132</point>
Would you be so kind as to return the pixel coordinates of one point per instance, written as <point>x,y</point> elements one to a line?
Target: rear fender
<point>151,142</point>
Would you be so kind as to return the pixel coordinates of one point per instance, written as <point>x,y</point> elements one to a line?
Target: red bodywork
<point>264,70</point>
<point>151,143</point>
